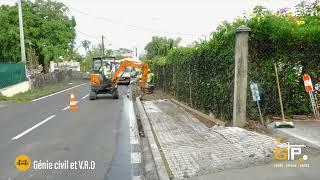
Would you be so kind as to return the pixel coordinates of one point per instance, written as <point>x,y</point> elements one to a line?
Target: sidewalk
<point>306,131</point>
<point>268,172</point>
<point>191,149</point>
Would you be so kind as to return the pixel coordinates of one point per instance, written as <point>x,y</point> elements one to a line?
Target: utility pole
<point>205,37</point>
<point>136,49</point>
<point>23,50</point>
<point>30,58</point>
<point>102,45</point>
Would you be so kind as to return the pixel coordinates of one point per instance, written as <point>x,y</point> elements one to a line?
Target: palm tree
<point>86,45</point>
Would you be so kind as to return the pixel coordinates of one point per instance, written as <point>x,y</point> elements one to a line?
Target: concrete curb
<point>217,121</point>
<point>135,146</point>
<point>161,169</point>
<point>136,155</point>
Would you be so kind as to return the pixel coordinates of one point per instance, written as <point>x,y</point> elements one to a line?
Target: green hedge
<point>295,48</point>
<point>203,76</point>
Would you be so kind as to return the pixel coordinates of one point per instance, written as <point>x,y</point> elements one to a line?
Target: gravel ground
<point>192,149</point>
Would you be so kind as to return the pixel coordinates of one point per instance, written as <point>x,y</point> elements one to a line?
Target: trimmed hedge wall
<point>203,76</point>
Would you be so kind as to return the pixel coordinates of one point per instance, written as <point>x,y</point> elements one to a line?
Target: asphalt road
<point>44,130</point>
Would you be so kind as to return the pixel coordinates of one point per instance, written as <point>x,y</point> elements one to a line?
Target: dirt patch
<point>135,89</point>
<point>274,118</point>
<point>253,125</point>
<point>207,122</point>
<point>157,93</point>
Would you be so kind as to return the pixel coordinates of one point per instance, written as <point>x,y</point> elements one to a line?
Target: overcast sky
<point>132,23</point>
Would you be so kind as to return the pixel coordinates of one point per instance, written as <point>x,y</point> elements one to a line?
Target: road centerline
<point>32,128</point>
<point>85,96</point>
<point>65,108</point>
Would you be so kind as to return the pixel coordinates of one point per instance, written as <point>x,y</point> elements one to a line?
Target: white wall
<point>65,65</point>
<point>15,89</point>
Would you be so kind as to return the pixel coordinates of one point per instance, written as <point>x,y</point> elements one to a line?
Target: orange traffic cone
<point>73,102</point>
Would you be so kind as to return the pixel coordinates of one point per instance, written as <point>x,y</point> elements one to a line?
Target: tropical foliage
<point>48,29</point>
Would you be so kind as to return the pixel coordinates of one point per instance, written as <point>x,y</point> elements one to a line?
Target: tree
<point>72,54</point>
<point>260,11</point>
<point>94,51</point>
<point>122,53</point>
<point>109,52</point>
<point>305,8</point>
<point>160,46</point>
<point>86,45</point>
<point>48,28</point>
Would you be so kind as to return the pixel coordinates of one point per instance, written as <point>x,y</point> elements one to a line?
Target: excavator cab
<point>131,63</point>
<point>99,84</point>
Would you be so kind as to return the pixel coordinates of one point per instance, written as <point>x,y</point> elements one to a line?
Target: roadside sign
<point>256,97</point>
<point>255,92</point>
<point>313,99</point>
<point>307,83</point>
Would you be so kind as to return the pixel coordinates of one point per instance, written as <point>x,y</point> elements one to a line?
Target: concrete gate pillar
<point>240,76</point>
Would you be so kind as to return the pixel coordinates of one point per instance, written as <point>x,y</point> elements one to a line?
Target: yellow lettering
<point>281,153</point>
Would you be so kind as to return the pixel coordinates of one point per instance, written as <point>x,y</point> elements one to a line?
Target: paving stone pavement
<point>192,149</point>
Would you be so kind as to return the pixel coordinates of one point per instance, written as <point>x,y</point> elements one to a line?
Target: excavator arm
<point>131,63</point>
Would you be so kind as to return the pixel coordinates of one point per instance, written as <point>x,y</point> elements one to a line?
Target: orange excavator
<point>127,62</point>
<point>99,85</point>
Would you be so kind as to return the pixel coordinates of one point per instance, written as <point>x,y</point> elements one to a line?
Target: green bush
<point>203,76</point>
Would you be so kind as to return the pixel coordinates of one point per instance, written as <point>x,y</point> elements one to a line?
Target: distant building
<point>63,66</point>
<point>124,52</point>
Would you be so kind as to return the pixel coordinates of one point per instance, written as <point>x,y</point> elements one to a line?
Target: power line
<point>131,25</point>
<point>91,36</point>
<point>88,35</point>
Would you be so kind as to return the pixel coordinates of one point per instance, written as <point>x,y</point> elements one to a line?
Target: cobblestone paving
<point>192,149</point>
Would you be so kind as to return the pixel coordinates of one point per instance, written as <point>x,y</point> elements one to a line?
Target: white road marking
<point>32,128</point>
<point>85,96</point>
<point>134,134</point>
<point>68,107</point>
<point>58,92</point>
<point>137,178</point>
<point>135,157</point>
<point>133,140</point>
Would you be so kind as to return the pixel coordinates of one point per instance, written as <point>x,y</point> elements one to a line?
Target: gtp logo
<point>285,151</point>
